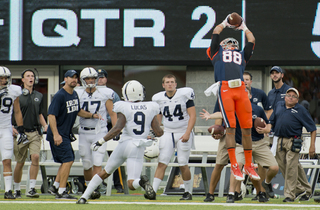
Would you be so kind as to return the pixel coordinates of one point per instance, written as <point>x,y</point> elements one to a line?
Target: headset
<point>36,79</point>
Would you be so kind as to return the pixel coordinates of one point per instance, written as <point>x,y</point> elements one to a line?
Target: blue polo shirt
<point>276,95</point>
<point>257,111</point>
<point>289,122</point>
<point>259,95</point>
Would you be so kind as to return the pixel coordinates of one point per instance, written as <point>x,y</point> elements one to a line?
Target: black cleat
<point>9,195</point>
<point>144,183</point>
<point>237,196</point>
<point>82,201</point>
<point>65,196</point>
<point>230,198</point>
<point>262,197</point>
<point>53,190</point>
<point>17,194</point>
<point>305,197</point>
<point>209,198</point>
<point>33,193</point>
<point>287,199</point>
<point>268,188</point>
<point>186,196</point>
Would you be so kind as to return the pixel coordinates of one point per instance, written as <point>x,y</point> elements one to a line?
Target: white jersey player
<point>9,101</point>
<point>94,100</point>
<point>178,115</point>
<point>135,118</point>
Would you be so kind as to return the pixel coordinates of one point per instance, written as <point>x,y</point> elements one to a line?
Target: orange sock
<point>232,155</point>
<point>248,156</point>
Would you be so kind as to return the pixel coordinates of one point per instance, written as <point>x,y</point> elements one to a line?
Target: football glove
<point>95,146</point>
<point>242,27</point>
<point>22,137</point>
<point>151,135</point>
<point>225,23</point>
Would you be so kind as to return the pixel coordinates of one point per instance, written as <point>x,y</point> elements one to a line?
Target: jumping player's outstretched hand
<point>242,27</point>
<point>225,22</point>
<point>95,146</point>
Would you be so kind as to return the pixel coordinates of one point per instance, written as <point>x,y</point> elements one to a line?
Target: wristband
<point>92,115</point>
<point>101,141</point>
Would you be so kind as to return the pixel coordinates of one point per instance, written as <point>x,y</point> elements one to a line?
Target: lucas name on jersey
<point>139,107</point>
<point>72,105</point>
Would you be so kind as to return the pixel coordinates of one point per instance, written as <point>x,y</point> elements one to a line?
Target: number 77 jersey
<point>174,110</point>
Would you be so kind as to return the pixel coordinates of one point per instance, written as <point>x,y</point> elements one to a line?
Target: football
<point>235,19</point>
<point>259,122</point>
<point>216,129</point>
<point>152,151</point>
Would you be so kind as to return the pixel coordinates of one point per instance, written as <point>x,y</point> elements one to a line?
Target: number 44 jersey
<point>139,116</point>
<point>174,109</point>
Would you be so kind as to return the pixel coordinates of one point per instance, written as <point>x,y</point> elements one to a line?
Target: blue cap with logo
<point>276,68</point>
<point>70,73</point>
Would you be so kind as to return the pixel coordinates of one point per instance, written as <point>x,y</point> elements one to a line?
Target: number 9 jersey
<point>174,109</point>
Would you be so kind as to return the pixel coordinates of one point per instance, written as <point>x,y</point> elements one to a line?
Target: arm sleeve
<point>248,51</point>
<point>214,47</point>
<point>190,103</point>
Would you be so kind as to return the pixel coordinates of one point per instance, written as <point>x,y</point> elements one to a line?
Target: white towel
<point>274,145</point>
<point>212,89</point>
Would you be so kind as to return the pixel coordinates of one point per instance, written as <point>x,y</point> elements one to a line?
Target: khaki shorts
<point>34,145</point>
<point>260,152</point>
<point>222,155</point>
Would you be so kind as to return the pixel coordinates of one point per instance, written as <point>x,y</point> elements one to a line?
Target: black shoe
<point>186,196</point>
<point>237,196</point>
<point>33,193</point>
<point>287,199</point>
<point>317,200</point>
<point>95,194</point>
<point>255,198</point>
<point>65,196</point>
<point>268,188</point>
<point>82,201</point>
<point>230,198</point>
<point>120,190</point>
<point>305,197</point>
<point>299,195</point>
<point>17,194</point>
<point>144,183</point>
<point>9,195</point>
<point>53,190</point>
<point>262,196</point>
<point>209,198</point>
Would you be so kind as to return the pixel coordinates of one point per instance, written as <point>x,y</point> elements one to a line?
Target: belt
<point>30,130</point>
<point>87,129</point>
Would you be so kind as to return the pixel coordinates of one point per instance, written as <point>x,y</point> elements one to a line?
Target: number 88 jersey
<point>174,110</point>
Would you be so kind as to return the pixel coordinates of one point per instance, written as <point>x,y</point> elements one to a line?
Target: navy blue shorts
<point>63,153</point>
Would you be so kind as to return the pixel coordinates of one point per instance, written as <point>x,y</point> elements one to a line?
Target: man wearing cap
<point>62,113</point>
<point>288,119</point>
<point>102,81</point>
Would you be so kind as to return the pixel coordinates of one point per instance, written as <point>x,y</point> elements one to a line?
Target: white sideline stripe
<point>166,203</point>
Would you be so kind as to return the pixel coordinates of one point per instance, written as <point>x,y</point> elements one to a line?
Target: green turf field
<point>136,201</point>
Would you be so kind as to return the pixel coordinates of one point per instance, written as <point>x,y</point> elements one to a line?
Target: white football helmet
<point>5,72</point>
<point>133,91</point>
<point>230,44</point>
<point>88,72</point>
<point>152,151</point>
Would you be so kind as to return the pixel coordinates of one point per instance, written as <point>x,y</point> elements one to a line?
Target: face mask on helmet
<point>89,72</point>
<point>133,91</point>
<point>5,72</point>
<point>230,44</point>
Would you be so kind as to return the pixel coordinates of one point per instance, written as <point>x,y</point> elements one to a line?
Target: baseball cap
<point>276,68</point>
<point>70,73</point>
<point>102,73</point>
<point>293,89</point>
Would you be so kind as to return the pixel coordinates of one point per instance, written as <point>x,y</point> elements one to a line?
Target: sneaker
<point>17,194</point>
<point>209,198</point>
<point>305,197</point>
<point>237,196</point>
<point>255,198</point>
<point>287,199</point>
<point>82,201</point>
<point>65,196</point>
<point>33,193</point>
<point>235,170</point>
<point>262,196</point>
<point>230,198</point>
<point>53,190</point>
<point>268,188</point>
<point>95,194</point>
<point>144,183</point>
<point>249,170</point>
<point>186,196</point>
<point>299,195</point>
<point>9,195</point>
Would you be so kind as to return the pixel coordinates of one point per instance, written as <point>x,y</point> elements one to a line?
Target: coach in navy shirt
<point>288,119</point>
<point>62,114</point>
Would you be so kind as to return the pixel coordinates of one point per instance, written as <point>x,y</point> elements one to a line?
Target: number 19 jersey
<point>174,110</point>
<point>139,116</point>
